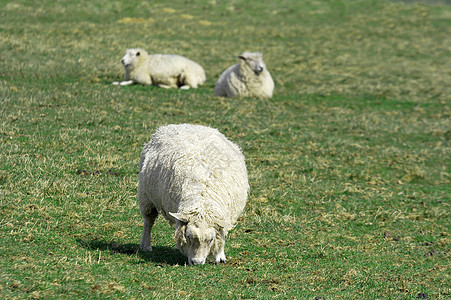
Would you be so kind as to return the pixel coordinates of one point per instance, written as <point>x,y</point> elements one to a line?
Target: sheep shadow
<point>159,255</point>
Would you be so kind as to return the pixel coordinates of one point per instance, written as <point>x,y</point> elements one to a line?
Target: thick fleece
<point>197,179</point>
<point>249,78</point>
<point>163,70</point>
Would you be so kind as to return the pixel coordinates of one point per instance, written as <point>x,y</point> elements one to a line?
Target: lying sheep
<point>196,179</point>
<point>163,70</point>
<point>249,78</point>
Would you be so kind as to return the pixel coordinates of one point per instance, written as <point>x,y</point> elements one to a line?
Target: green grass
<point>349,163</point>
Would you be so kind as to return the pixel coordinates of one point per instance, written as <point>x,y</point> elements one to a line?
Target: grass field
<point>349,163</point>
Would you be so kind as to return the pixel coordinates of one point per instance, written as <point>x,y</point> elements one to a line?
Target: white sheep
<point>197,179</point>
<point>163,70</point>
<point>249,78</point>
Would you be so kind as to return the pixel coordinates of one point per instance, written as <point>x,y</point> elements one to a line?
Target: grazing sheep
<point>197,179</point>
<point>163,70</point>
<point>249,78</point>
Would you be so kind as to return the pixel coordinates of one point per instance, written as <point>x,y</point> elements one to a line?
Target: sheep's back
<point>172,64</point>
<point>191,167</point>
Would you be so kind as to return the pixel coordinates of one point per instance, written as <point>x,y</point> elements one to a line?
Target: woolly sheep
<point>163,70</point>
<point>249,78</point>
<point>197,179</point>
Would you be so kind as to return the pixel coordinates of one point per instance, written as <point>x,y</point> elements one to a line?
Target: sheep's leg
<point>128,82</point>
<point>122,83</point>
<point>187,82</point>
<point>220,255</point>
<point>149,220</point>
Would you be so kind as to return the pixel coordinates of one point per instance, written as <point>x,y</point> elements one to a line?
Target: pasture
<point>349,162</point>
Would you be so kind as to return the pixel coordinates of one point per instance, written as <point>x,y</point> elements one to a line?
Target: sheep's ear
<point>242,57</point>
<point>225,225</point>
<point>180,217</point>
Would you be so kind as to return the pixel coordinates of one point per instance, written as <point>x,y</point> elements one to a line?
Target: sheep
<point>249,78</point>
<point>163,70</point>
<point>197,180</point>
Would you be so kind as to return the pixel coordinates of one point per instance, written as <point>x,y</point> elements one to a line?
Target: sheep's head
<point>196,240</point>
<point>254,60</point>
<point>132,57</point>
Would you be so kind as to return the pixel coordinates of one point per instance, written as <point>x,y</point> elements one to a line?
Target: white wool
<point>249,78</point>
<point>196,172</point>
<point>164,70</point>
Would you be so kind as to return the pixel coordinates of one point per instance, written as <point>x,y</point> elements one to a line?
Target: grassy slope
<point>349,163</point>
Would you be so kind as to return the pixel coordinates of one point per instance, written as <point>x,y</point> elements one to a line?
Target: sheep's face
<point>197,243</point>
<point>254,61</point>
<point>132,57</point>
<point>197,240</point>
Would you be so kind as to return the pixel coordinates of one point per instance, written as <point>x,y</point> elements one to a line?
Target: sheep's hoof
<point>184,87</point>
<point>221,260</point>
<point>146,248</point>
<point>116,83</point>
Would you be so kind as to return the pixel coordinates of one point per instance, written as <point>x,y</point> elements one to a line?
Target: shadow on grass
<point>159,255</point>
